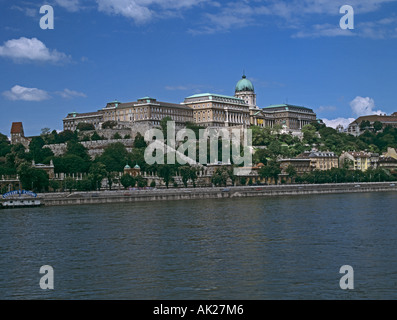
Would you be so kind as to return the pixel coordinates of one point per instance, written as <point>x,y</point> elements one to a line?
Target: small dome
<point>137,167</point>
<point>127,167</point>
<point>244,85</point>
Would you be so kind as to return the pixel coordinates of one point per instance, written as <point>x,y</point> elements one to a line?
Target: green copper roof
<point>244,85</point>
<point>147,98</point>
<point>137,167</point>
<point>285,106</point>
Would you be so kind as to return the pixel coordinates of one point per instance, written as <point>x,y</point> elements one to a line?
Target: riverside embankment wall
<point>83,198</point>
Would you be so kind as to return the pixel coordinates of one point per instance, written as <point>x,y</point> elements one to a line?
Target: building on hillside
<point>134,172</point>
<point>354,127</point>
<point>73,119</point>
<point>205,109</point>
<point>359,160</point>
<point>214,110</point>
<point>18,135</point>
<point>320,160</point>
<point>388,163</point>
<point>391,152</point>
<point>302,166</point>
<point>289,117</point>
<point>144,111</point>
<point>147,110</point>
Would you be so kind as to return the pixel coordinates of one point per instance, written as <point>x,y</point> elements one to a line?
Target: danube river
<point>252,248</point>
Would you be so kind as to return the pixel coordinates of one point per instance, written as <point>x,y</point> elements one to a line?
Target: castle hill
<point>105,149</point>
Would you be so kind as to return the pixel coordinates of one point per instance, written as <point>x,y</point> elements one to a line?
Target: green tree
<point>70,163</point>
<point>271,170</point>
<point>73,147</point>
<point>166,172</point>
<point>127,181</point>
<point>139,142</point>
<point>117,136</point>
<point>109,124</point>
<point>309,134</point>
<point>66,136</point>
<point>291,171</point>
<point>69,183</point>
<point>220,177</point>
<point>82,126</point>
<point>364,125</point>
<point>55,185</point>
<point>32,178</point>
<point>97,173</point>
<point>96,137</point>
<point>378,125</point>
<point>141,182</point>
<point>114,157</point>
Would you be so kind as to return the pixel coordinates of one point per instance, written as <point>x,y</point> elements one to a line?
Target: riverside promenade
<point>125,196</point>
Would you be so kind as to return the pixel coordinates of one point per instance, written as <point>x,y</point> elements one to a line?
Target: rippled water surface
<point>258,248</point>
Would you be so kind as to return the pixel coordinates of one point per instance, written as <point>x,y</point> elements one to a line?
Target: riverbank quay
<point>125,196</point>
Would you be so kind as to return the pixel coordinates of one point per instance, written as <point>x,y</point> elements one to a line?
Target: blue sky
<point>102,50</point>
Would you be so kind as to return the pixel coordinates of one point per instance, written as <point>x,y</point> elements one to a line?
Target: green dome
<point>244,85</point>
<point>127,167</point>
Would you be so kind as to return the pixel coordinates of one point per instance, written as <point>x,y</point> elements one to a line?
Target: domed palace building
<point>205,109</point>
<point>214,110</point>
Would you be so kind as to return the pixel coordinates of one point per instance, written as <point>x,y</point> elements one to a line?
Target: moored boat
<point>20,203</point>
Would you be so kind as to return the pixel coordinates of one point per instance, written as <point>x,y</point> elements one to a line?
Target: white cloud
<point>26,94</point>
<point>29,12</point>
<point>339,121</point>
<point>360,107</point>
<point>364,107</point>
<point>290,14</point>
<point>24,49</point>
<point>142,11</point>
<point>70,94</point>
<point>323,30</point>
<point>326,108</point>
<point>70,5</point>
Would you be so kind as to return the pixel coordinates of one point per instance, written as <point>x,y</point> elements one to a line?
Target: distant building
<point>388,163</point>
<point>320,160</point>
<point>389,160</point>
<point>290,117</point>
<point>214,110</point>
<point>134,172</point>
<point>205,109</point>
<point>354,127</point>
<point>18,135</point>
<point>147,110</point>
<point>302,166</point>
<point>144,111</point>
<point>73,119</point>
<point>359,160</point>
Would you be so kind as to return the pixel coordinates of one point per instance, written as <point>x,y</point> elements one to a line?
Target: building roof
<point>360,154</point>
<point>16,127</point>
<point>316,154</point>
<point>287,107</point>
<point>376,117</point>
<point>200,95</point>
<point>244,85</point>
<point>87,114</point>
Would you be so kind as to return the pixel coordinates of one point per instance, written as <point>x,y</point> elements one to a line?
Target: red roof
<point>17,127</point>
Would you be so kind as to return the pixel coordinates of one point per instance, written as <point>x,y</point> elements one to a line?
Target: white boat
<point>20,203</point>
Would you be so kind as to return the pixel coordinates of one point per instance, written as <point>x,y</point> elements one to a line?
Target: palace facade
<point>206,109</point>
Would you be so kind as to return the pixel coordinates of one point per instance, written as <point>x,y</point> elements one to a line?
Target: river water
<point>251,248</point>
